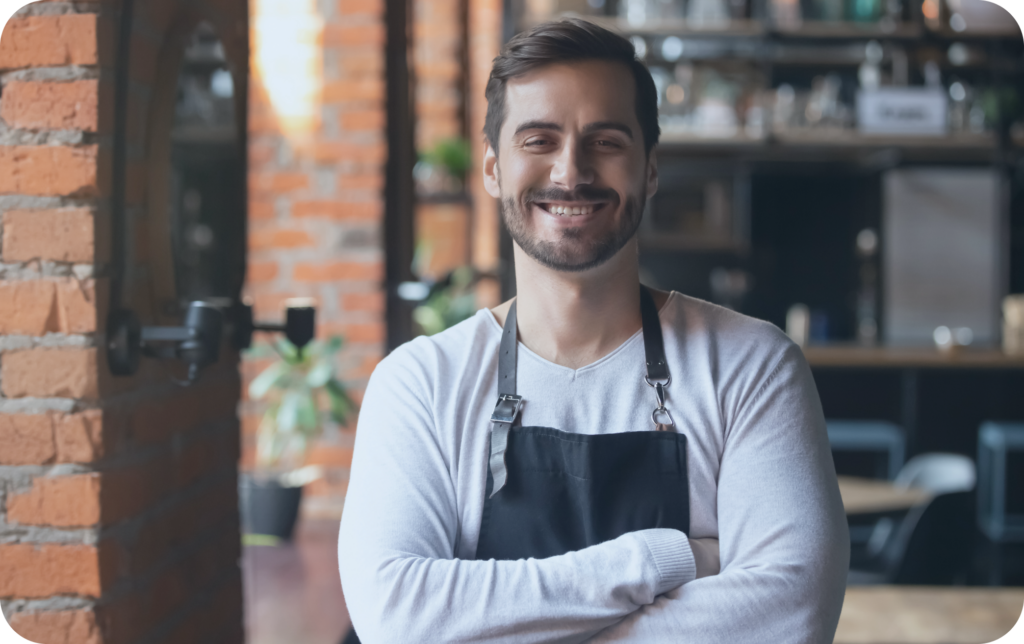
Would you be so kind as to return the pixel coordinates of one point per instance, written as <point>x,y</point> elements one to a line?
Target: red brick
<point>27,439</point>
<point>357,7</point>
<point>79,437</point>
<point>63,235</point>
<point>76,306</point>
<point>322,454</point>
<point>44,373</point>
<point>354,36</point>
<point>362,64</point>
<point>62,501</point>
<point>439,70</point>
<point>31,571</point>
<point>57,627</point>
<point>26,307</point>
<point>366,367</point>
<point>37,307</point>
<point>371,302</point>
<point>333,152</point>
<point>261,272</point>
<point>370,333</point>
<point>373,181</point>
<point>368,89</point>
<point>278,238</point>
<point>43,41</point>
<point>50,170</point>
<point>261,210</point>
<point>358,120</point>
<point>61,106</point>
<point>338,271</point>
<point>279,181</point>
<point>339,210</point>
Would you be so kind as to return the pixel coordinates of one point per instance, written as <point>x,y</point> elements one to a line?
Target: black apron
<point>550,492</point>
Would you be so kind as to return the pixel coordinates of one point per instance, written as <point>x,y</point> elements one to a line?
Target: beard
<point>572,253</point>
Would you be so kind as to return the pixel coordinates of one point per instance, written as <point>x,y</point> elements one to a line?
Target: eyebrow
<point>588,129</point>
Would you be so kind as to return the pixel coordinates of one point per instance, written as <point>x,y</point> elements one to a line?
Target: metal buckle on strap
<point>507,408</point>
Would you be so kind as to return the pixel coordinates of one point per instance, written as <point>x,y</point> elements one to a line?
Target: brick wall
<point>316,179</point>
<point>485,40</point>
<point>118,498</point>
<point>439,48</point>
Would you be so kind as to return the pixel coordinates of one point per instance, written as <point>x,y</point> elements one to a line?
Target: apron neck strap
<point>654,345</point>
<point>507,353</point>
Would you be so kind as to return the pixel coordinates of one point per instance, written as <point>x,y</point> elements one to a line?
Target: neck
<point>575,319</point>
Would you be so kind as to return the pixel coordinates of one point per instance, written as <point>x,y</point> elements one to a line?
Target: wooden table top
<point>927,614</point>
<point>865,496</point>
<point>910,357</point>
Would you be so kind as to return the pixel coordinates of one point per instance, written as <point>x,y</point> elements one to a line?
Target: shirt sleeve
<point>783,536</point>
<point>399,532</point>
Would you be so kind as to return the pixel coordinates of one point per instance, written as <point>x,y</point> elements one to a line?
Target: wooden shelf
<point>849,30</point>
<point>839,356</point>
<point>671,27</point>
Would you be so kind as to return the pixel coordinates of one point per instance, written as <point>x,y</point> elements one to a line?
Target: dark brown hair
<point>568,40</point>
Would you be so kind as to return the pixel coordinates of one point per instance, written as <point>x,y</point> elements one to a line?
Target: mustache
<point>583,193</point>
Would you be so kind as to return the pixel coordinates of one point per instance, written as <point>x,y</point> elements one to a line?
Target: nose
<point>571,167</point>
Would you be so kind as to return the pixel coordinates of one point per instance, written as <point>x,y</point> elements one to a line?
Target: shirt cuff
<point>673,557</point>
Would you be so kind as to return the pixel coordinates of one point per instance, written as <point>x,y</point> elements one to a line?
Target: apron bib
<point>550,492</point>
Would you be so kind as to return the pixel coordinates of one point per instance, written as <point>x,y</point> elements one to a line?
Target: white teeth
<point>571,211</point>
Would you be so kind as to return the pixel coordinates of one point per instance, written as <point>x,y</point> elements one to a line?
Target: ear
<point>652,172</point>
<point>492,182</point>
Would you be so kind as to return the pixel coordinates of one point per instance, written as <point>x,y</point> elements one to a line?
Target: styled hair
<point>568,40</point>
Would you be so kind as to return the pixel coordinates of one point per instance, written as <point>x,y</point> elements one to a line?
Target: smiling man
<point>593,460</point>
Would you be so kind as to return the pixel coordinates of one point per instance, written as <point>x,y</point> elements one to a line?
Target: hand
<point>705,554</point>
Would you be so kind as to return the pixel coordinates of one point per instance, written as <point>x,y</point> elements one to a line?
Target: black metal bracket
<point>197,342</point>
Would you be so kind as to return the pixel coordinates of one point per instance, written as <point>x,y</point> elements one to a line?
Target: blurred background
<point>218,217</point>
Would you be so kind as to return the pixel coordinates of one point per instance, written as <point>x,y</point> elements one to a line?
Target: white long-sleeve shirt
<point>761,481</point>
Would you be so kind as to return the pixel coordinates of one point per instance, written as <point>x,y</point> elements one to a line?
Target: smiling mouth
<point>570,209</point>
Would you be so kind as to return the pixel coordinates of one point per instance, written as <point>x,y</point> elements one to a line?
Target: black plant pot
<point>267,507</point>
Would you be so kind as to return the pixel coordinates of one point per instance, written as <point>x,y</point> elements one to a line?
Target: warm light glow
<point>288,60</point>
<point>930,9</point>
<point>675,94</point>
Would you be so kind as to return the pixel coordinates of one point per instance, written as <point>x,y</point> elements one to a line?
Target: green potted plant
<point>449,301</point>
<point>442,169</point>
<point>302,390</point>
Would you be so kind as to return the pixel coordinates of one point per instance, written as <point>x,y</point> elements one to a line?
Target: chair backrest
<point>938,473</point>
<point>933,542</point>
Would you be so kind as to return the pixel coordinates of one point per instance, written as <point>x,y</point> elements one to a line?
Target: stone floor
<point>292,591</point>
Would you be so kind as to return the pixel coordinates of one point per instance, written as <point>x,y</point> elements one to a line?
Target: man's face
<point>572,173</point>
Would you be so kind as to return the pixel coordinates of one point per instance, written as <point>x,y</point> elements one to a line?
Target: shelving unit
<point>798,197</point>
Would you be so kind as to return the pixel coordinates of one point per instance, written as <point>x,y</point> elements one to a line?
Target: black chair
<point>930,546</point>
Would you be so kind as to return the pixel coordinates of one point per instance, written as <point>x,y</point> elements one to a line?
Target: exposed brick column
<point>484,44</point>
<point>316,176</point>
<point>442,229</point>
<point>118,497</point>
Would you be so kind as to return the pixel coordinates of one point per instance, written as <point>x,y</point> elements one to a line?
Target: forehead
<point>572,94</point>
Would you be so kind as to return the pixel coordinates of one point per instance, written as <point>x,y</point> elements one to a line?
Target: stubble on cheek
<point>572,252</point>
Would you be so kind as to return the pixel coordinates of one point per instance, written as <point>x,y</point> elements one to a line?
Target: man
<point>637,467</point>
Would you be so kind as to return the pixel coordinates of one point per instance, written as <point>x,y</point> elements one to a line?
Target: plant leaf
<point>308,418</point>
<point>288,414</point>
<point>321,372</point>
<point>271,378</point>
